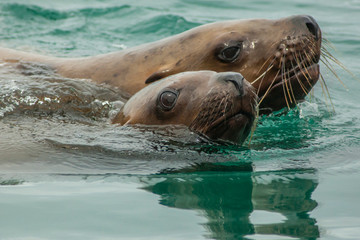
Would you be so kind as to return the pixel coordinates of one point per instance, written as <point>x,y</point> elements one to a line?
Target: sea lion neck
<point>122,67</point>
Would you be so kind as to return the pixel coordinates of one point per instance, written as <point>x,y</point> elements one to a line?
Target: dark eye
<point>230,54</point>
<point>167,99</point>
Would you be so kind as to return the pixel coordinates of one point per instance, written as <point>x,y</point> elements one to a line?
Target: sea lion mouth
<point>295,70</point>
<point>289,88</point>
<point>234,128</point>
<point>296,77</point>
<point>226,116</point>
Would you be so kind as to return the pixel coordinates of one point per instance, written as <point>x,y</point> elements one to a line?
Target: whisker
<point>327,91</point>
<point>205,123</point>
<point>310,40</point>
<point>299,81</point>
<point>313,46</point>
<point>263,77</point>
<point>328,55</point>
<point>264,65</point>
<point>309,57</point>
<point>253,128</point>
<point>267,91</point>
<point>299,63</point>
<point>224,112</point>
<point>328,43</point>
<point>328,66</point>
<point>326,94</point>
<point>269,66</point>
<point>331,57</point>
<point>312,94</point>
<point>283,74</point>
<point>282,78</point>
<point>287,103</point>
<point>303,63</point>
<point>291,89</point>
<point>263,74</point>
<point>225,107</point>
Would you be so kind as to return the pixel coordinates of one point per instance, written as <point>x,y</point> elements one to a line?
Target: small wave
<point>98,12</point>
<point>34,89</point>
<point>220,4</point>
<point>11,182</point>
<point>22,11</point>
<point>163,25</point>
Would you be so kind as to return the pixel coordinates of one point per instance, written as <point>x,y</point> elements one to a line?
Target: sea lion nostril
<point>313,29</point>
<point>307,25</point>
<point>238,83</point>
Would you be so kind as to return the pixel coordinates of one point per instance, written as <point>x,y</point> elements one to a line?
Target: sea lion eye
<point>167,99</point>
<point>230,54</point>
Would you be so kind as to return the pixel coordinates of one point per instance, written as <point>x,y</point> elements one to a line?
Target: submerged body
<point>278,57</point>
<point>217,105</point>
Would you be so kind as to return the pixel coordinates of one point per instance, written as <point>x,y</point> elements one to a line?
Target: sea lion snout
<point>308,25</point>
<point>234,78</point>
<point>313,27</point>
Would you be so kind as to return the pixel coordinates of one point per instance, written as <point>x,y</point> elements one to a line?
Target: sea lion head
<point>278,57</point>
<point>217,105</point>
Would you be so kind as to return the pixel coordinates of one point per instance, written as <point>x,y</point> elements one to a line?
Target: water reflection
<point>241,204</point>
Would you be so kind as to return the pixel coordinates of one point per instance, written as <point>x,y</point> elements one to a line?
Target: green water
<point>66,173</point>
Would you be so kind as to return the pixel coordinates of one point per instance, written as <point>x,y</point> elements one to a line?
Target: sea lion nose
<point>310,25</point>
<point>235,78</point>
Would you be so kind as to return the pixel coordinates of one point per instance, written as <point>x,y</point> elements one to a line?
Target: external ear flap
<point>158,75</point>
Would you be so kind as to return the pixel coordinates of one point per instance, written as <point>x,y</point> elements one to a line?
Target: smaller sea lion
<point>220,106</point>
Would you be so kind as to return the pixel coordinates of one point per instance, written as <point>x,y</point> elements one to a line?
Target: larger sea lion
<point>278,57</point>
<point>220,106</point>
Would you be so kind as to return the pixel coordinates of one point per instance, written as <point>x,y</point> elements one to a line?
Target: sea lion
<point>220,106</point>
<point>278,57</point>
